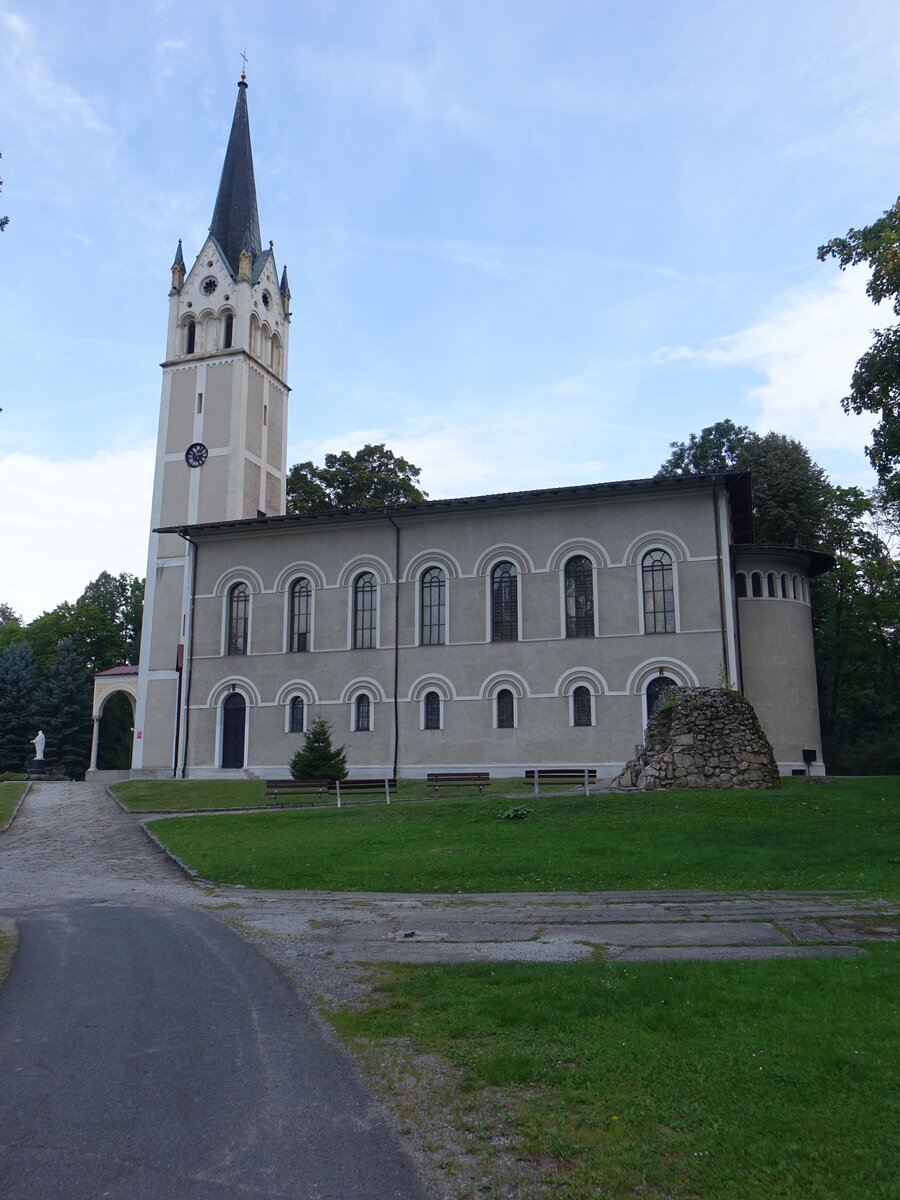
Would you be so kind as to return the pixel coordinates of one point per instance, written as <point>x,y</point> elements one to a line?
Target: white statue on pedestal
<point>39,742</point>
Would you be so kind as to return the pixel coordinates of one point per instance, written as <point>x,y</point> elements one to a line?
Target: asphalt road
<point>153,1053</point>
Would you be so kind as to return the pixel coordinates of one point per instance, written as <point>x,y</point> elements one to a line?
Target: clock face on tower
<point>196,455</point>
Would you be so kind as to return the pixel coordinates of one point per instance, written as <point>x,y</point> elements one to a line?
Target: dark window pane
<point>299,627</point>
<point>740,585</point>
<point>659,592</point>
<point>190,337</point>
<point>432,710</point>
<point>297,714</point>
<point>504,603</point>
<point>229,331</point>
<point>364,594</point>
<point>579,597</point>
<point>505,709</point>
<point>756,583</point>
<point>434,607</point>
<point>581,706</point>
<point>362,713</point>
<point>238,614</point>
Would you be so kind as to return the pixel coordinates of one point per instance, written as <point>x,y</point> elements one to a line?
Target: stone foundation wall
<point>703,738</point>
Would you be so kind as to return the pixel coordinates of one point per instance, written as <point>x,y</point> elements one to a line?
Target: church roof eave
<point>575,492</point>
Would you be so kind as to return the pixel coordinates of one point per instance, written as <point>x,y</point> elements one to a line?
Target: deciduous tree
<point>875,384</point>
<point>371,477</point>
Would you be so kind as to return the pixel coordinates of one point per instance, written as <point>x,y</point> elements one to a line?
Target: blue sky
<point>528,243</point>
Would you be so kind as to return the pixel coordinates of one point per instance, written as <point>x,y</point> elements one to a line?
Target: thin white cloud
<point>37,98</point>
<point>805,348</point>
<point>63,522</point>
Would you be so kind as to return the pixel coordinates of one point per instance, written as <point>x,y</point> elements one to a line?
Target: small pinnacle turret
<point>178,269</point>
<point>285,291</point>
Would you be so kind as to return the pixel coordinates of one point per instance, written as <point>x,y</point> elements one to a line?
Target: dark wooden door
<point>234,717</point>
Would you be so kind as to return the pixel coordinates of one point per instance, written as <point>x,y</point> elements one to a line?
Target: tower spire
<point>235,212</point>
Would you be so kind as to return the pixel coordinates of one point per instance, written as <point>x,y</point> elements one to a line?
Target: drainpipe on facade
<point>720,583</point>
<point>396,640</point>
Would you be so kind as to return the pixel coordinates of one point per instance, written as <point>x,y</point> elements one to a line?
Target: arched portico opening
<point>115,699</point>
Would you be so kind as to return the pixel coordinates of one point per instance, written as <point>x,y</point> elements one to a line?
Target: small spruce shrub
<point>318,758</point>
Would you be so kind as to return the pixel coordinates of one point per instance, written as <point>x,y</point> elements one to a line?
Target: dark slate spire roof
<point>179,257</point>
<point>285,286</point>
<point>236,213</point>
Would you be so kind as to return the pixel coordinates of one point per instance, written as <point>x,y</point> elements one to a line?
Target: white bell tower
<point>221,452</point>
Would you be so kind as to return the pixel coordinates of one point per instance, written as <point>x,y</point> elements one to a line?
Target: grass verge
<point>10,795</point>
<point>177,795</point>
<point>174,795</point>
<point>720,1080</point>
<point>807,836</point>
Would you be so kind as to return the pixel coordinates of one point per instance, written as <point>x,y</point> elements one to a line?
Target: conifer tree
<point>318,758</point>
<point>18,707</point>
<point>66,712</point>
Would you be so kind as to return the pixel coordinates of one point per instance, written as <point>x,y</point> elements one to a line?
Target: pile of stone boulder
<point>702,738</point>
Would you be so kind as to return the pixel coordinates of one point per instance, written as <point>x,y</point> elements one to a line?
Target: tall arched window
<point>432,710</point>
<point>659,592</point>
<point>238,618</point>
<point>740,585</point>
<point>581,707</point>
<point>228,334</point>
<point>770,584</point>
<point>756,581</point>
<point>434,607</point>
<point>234,721</point>
<point>363,721</point>
<point>298,638</point>
<point>297,714</point>
<point>190,337</point>
<point>579,575</point>
<point>504,603</point>
<point>506,709</point>
<point>364,596</point>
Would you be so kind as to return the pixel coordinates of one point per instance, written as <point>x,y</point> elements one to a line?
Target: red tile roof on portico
<point>125,669</point>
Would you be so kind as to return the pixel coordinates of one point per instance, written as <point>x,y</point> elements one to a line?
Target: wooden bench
<point>341,788</point>
<point>554,777</point>
<point>289,791</point>
<point>458,779</point>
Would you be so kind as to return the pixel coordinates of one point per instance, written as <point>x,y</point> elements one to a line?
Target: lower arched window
<point>659,592</point>
<point>658,690</point>
<point>740,585</point>
<point>234,722</point>
<point>238,618</point>
<point>297,714</point>
<point>363,713</point>
<point>756,582</point>
<point>770,584</point>
<point>434,607</point>
<point>190,337</point>
<point>581,707</point>
<point>432,710</point>
<point>506,709</point>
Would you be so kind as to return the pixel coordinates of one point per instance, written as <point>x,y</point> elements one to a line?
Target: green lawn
<point>713,1080</point>
<point>843,835</point>
<point>10,795</point>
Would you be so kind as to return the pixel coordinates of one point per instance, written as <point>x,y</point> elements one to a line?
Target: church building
<point>502,632</point>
